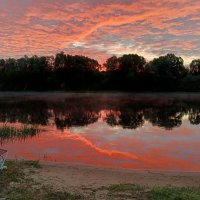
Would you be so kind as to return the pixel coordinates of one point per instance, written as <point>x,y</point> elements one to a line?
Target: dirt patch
<point>87,179</point>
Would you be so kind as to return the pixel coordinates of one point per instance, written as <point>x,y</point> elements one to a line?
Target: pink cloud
<point>143,27</point>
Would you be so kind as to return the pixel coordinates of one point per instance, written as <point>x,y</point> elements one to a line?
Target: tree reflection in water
<point>128,112</point>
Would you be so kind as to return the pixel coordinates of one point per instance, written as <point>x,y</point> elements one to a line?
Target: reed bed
<point>13,133</point>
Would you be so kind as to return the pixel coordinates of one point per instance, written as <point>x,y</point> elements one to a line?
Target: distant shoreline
<point>93,92</point>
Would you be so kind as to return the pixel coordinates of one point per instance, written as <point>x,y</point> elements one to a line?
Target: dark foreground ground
<point>30,180</point>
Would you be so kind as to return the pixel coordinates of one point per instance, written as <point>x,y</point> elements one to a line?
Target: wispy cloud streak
<point>100,28</point>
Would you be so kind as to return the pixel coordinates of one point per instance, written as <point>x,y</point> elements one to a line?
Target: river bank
<point>33,180</point>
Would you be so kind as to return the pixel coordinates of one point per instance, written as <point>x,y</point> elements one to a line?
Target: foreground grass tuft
<point>175,194</point>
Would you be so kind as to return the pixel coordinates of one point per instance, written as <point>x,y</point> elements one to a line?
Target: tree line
<point>129,72</point>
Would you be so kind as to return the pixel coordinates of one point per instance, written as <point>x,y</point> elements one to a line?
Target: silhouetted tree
<point>60,60</point>
<point>166,72</point>
<point>132,63</point>
<point>112,64</point>
<point>2,64</point>
<point>168,65</point>
<point>129,72</point>
<point>195,67</point>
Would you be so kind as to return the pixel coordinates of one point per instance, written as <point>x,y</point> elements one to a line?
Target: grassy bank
<point>15,184</point>
<point>130,191</point>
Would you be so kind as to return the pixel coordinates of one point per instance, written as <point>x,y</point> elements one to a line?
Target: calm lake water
<point>133,131</point>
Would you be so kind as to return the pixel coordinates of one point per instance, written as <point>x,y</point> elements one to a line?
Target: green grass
<point>9,132</point>
<point>157,193</point>
<point>13,174</point>
<point>126,191</point>
<point>24,193</point>
<point>14,184</point>
<point>175,194</point>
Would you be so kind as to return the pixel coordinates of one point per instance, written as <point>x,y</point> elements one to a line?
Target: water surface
<point>133,131</point>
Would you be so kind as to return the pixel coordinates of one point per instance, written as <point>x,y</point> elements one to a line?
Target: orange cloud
<point>105,28</point>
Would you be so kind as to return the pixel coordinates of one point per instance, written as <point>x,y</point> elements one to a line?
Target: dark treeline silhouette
<point>126,73</point>
<point>126,112</point>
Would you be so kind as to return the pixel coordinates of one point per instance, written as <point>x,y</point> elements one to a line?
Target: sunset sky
<point>100,28</point>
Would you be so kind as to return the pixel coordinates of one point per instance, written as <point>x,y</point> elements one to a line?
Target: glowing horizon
<point>100,29</point>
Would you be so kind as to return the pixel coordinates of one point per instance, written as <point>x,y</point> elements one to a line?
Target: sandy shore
<point>81,178</point>
<point>33,180</point>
